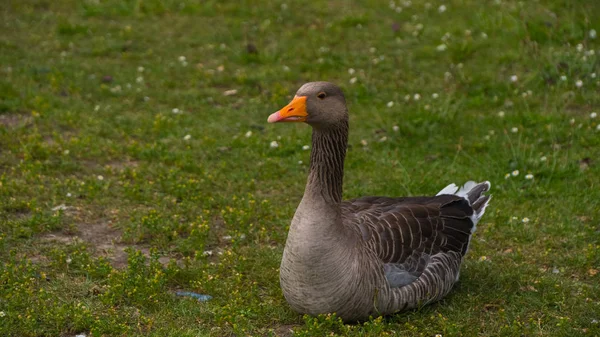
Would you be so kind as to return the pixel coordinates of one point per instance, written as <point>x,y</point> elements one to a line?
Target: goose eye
<point>321,95</point>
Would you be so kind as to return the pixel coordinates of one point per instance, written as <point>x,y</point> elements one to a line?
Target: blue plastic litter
<point>200,297</point>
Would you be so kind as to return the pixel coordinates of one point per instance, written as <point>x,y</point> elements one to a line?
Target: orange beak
<point>293,112</point>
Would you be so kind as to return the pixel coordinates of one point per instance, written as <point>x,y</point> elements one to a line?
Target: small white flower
<point>146,98</point>
<point>543,158</point>
<point>187,137</point>
<point>500,114</point>
<point>594,321</point>
<point>66,152</point>
<point>274,144</point>
<point>372,50</point>
<point>514,130</point>
<point>139,79</point>
<point>300,162</point>
<point>100,178</point>
<point>555,270</point>
<point>286,68</point>
<point>351,71</point>
<point>593,115</point>
<point>175,111</point>
<point>435,95</point>
<point>230,92</point>
<point>181,58</point>
<point>96,108</point>
<point>515,173</point>
<point>442,8</point>
<point>407,98</point>
<point>390,104</point>
<point>140,69</point>
<point>484,35</point>
<point>598,127</point>
<point>593,75</point>
<point>226,237</point>
<point>395,128</point>
<point>579,47</point>
<point>579,83</point>
<point>69,260</point>
<point>529,176</point>
<point>2,314</point>
<point>563,78</point>
<point>248,134</point>
<point>592,34</point>
<point>441,47</point>
<point>69,195</point>
<point>514,218</point>
<point>416,97</point>
<point>305,147</point>
<point>506,176</point>
<point>514,78</point>
<point>525,220</point>
<point>447,76</point>
<point>207,253</point>
<point>353,80</point>
<point>363,142</point>
<point>383,139</point>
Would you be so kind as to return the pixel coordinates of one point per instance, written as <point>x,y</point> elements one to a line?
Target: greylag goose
<point>369,256</point>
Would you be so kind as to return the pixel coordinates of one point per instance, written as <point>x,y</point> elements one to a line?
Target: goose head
<point>319,104</point>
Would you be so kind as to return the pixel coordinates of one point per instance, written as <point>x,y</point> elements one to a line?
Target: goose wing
<point>405,233</point>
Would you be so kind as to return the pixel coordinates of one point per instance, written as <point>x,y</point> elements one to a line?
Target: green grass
<point>87,92</point>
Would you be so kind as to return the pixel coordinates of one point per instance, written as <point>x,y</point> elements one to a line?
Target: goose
<point>369,256</point>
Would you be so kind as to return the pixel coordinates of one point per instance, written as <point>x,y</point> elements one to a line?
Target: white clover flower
<point>372,50</point>
<point>69,195</point>
<point>66,152</point>
<point>514,78</point>
<point>181,58</point>
<point>300,162</point>
<point>69,260</point>
<point>592,34</point>
<point>383,139</point>
<point>416,97</point>
<point>305,147</point>
<point>407,98</point>
<point>593,115</point>
<point>248,134</point>
<point>543,158</point>
<point>435,95</point>
<point>579,83</point>
<point>484,35</point>
<point>207,253</point>
<point>353,80</point>
<point>514,130</point>
<point>500,114</point>
<point>175,111</point>
<point>563,78</point>
<point>187,137</point>
<point>579,47</point>
<point>506,176</point>
<point>146,98</point>
<point>529,176</point>
<point>390,104</point>
<point>447,76</point>
<point>593,75</point>
<point>363,142</point>
<point>2,314</point>
<point>140,69</point>
<point>395,128</point>
<point>274,144</point>
<point>525,220</point>
<point>441,47</point>
<point>100,178</point>
<point>351,71</point>
<point>515,173</point>
<point>442,8</point>
<point>598,127</point>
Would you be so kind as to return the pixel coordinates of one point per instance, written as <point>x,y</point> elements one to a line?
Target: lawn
<point>136,161</point>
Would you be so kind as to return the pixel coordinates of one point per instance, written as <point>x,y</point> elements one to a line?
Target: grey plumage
<point>372,255</point>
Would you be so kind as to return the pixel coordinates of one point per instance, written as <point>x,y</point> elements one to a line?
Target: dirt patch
<point>285,330</point>
<point>104,239</point>
<point>13,120</point>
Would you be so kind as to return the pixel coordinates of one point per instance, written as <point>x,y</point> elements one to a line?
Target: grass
<point>111,200</point>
